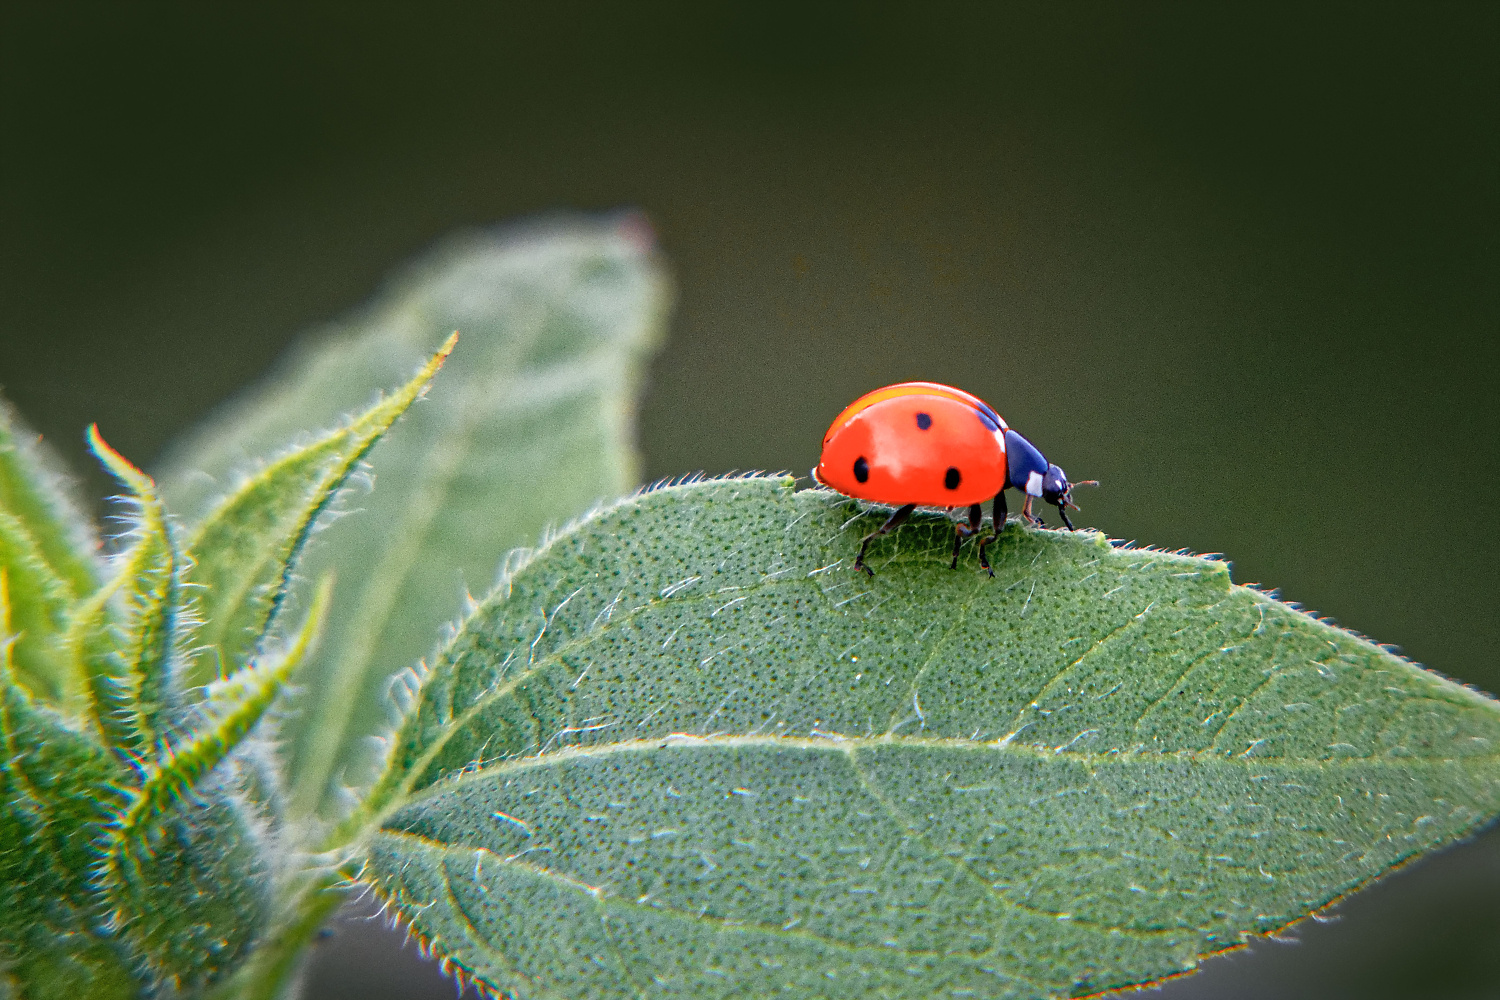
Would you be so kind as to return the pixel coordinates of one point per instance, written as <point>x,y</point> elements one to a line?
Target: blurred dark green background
<point>1241,265</point>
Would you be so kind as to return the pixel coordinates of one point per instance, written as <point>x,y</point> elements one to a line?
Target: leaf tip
<point>117,464</point>
<point>418,386</point>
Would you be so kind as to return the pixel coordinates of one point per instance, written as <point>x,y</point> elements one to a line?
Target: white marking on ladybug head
<point>1034,484</point>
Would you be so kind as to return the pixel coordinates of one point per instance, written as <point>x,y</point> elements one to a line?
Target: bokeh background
<point>1240,264</point>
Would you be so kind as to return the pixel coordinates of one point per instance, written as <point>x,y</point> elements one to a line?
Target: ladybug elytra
<point>921,443</point>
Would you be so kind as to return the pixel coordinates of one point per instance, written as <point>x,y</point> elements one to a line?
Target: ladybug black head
<point>1057,491</point>
<point>1055,487</point>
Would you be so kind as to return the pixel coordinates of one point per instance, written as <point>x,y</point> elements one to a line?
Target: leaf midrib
<point>849,748</point>
<point>849,744</point>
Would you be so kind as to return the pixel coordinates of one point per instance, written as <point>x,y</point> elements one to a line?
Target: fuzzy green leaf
<point>92,641</point>
<point>56,792</point>
<point>687,750</point>
<point>185,869</point>
<point>234,707</point>
<point>40,601</point>
<point>133,689</point>
<point>532,426</point>
<point>244,550</point>
<point>48,555</point>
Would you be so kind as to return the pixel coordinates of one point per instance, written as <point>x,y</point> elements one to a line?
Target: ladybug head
<point>1057,491</point>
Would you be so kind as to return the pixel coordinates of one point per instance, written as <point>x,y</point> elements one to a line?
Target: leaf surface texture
<point>687,750</point>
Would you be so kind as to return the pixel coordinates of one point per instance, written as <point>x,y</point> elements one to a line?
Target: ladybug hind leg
<point>962,531</point>
<point>892,523</point>
<point>1000,514</point>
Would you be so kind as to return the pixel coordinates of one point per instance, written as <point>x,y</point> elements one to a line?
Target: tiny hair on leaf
<point>233,708</point>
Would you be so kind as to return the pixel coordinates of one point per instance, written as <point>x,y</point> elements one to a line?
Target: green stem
<point>273,967</point>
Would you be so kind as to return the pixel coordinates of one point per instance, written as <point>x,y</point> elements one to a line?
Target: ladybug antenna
<point>1068,495</point>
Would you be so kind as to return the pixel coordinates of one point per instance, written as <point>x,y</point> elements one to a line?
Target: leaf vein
<point>1018,724</point>
<point>722,924</point>
<point>937,647</point>
<point>965,869</point>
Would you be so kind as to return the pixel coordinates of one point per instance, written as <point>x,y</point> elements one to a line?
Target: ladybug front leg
<point>1028,516</point>
<point>962,531</point>
<point>891,524</point>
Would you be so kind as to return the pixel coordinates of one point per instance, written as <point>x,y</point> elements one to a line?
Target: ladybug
<point>921,443</point>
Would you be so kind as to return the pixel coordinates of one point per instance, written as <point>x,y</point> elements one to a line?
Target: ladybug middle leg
<point>891,524</point>
<point>1001,513</point>
<point>962,531</point>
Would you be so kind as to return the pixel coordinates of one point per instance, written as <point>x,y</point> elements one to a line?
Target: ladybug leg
<point>1000,514</point>
<point>1028,516</point>
<point>962,531</point>
<point>891,524</point>
<point>1064,514</point>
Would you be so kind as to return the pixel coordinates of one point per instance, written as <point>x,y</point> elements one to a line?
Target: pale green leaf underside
<point>531,426</point>
<point>691,752</point>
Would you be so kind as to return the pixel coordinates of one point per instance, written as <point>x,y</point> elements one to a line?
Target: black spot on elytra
<point>951,478</point>
<point>861,469</point>
<point>924,421</point>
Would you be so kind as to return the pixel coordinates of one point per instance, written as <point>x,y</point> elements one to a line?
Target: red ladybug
<point>921,443</point>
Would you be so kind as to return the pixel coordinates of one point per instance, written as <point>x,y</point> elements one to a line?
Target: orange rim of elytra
<point>869,399</point>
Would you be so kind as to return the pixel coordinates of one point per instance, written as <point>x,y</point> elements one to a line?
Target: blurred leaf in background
<point>534,424</point>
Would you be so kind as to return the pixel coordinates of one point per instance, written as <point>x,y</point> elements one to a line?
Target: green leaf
<point>244,550</point>
<point>687,750</point>
<point>40,600</point>
<point>235,706</point>
<point>48,555</point>
<point>185,869</point>
<point>56,792</point>
<point>198,895</point>
<point>532,426</point>
<point>92,642</point>
<point>134,692</point>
